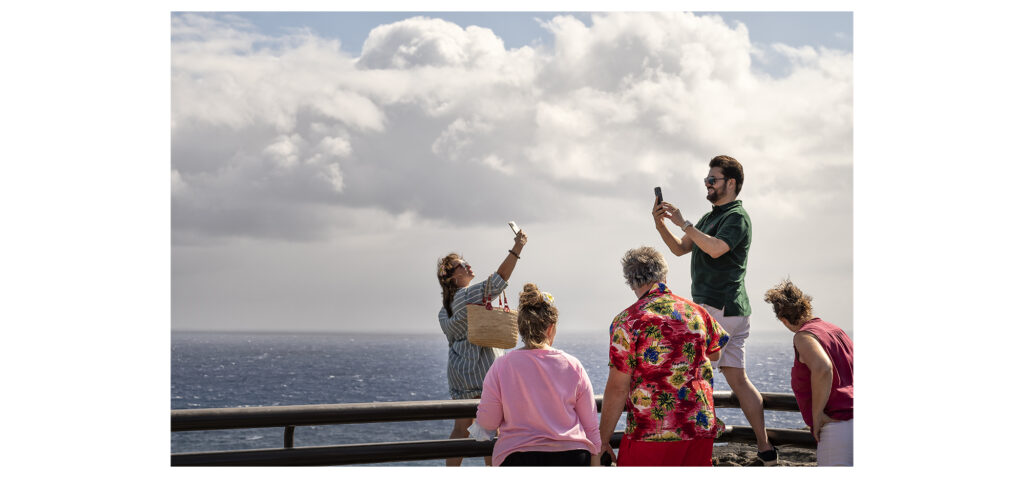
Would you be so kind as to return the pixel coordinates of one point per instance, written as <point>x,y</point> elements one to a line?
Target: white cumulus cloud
<point>632,99</point>
<point>427,42</point>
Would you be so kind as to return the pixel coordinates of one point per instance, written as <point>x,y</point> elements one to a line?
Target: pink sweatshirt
<point>539,400</point>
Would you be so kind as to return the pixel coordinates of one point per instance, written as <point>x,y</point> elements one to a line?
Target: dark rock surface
<point>741,454</point>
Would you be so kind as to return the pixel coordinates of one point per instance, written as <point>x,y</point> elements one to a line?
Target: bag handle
<point>486,300</point>
<point>487,297</point>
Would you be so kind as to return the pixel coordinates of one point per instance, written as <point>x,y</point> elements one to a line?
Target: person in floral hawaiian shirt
<point>660,352</point>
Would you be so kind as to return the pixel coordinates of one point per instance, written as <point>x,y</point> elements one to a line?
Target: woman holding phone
<point>468,363</point>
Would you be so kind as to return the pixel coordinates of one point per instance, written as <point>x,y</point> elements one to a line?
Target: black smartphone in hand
<point>657,193</point>
<point>606,459</point>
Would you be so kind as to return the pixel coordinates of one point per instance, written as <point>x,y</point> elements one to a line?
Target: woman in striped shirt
<point>468,363</point>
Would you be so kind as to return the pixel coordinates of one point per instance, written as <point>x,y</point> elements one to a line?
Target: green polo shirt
<point>719,282</point>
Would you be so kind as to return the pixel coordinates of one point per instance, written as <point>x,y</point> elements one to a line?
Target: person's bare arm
<point>814,356</point>
<point>678,245</point>
<point>692,236</point>
<point>616,391</point>
<point>712,246</point>
<point>509,264</point>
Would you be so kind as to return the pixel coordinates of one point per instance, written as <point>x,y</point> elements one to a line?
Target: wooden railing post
<point>289,437</point>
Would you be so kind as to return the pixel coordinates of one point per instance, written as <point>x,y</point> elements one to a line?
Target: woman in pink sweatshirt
<point>539,398</point>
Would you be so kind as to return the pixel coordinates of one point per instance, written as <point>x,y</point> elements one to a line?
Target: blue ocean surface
<point>215,370</point>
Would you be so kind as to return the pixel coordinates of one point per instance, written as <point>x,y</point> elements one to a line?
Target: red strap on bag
<point>488,299</point>
<point>501,298</point>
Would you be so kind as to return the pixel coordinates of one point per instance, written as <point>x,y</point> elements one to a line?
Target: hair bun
<point>530,296</point>
<point>536,315</point>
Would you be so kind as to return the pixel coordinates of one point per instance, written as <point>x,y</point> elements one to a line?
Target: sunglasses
<point>462,264</point>
<point>711,180</point>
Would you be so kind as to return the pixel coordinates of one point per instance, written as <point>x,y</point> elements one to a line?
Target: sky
<point>321,163</point>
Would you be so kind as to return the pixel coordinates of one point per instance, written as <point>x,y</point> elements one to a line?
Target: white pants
<point>738,328</point>
<point>835,447</point>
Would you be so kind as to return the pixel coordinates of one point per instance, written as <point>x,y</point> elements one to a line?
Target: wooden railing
<point>307,415</point>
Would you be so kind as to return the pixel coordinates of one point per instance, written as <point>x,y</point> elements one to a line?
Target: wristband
<point>686,224</point>
<point>513,253</point>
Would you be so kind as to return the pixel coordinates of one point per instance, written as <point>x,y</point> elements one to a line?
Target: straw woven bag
<point>490,326</point>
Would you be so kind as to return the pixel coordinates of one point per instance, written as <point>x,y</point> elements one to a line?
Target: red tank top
<point>839,348</point>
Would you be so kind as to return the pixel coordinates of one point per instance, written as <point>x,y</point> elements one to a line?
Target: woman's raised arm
<point>506,267</point>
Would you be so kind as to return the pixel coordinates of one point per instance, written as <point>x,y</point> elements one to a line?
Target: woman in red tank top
<point>822,375</point>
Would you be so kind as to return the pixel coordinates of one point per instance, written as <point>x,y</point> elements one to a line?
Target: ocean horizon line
<point>770,334</point>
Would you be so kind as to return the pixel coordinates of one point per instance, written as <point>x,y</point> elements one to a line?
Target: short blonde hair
<point>643,265</point>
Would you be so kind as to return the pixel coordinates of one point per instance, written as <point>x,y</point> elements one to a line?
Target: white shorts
<point>738,328</point>
<point>836,445</point>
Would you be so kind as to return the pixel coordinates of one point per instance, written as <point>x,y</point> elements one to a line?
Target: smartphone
<point>657,193</point>
<point>514,227</point>
<point>606,459</point>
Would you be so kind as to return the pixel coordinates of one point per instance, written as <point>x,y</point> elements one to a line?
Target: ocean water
<point>214,370</point>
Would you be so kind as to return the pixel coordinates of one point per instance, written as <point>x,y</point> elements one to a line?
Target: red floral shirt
<point>663,341</point>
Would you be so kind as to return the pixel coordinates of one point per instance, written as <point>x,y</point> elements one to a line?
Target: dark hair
<point>445,268</point>
<point>731,169</point>
<point>790,303</point>
<point>535,316</point>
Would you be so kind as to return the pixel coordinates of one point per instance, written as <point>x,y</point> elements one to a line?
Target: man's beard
<point>713,195</point>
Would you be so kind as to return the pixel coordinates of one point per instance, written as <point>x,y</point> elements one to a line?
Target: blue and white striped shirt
<point>468,363</point>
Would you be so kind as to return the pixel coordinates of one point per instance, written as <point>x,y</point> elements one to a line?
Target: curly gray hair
<point>643,265</point>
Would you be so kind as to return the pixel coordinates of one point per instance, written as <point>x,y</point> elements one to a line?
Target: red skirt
<point>695,452</point>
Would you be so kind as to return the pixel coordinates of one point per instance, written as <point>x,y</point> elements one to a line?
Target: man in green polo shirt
<point>718,265</point>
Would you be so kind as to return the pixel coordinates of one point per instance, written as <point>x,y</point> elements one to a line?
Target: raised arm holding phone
<point>713,246</point>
